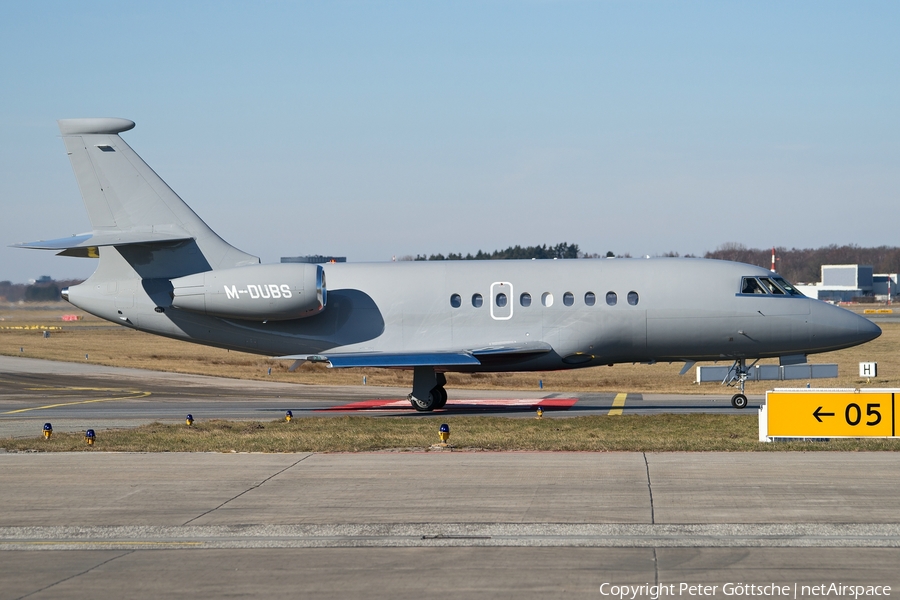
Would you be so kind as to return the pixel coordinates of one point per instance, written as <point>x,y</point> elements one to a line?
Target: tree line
<point>796,264</point>
<point>803,265</point>
<point>562,250</point>
<point>43,291</point>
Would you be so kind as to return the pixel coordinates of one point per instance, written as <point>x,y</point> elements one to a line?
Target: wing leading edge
<point>459,358</point>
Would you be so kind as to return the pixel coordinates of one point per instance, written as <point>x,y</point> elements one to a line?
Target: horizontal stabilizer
<point>117,237</point>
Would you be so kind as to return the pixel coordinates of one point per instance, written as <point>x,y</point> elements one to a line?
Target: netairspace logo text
<point>769,590</point>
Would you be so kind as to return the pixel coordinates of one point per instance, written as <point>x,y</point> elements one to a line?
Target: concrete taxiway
<point>405,525</point>
<point>77,396</point>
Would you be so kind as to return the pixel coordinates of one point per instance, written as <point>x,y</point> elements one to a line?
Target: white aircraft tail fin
<point>126,200</point>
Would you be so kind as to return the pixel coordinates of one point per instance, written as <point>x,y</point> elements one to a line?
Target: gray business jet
<point>164,271</point>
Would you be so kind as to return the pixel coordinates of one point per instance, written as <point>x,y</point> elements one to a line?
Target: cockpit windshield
<point>787,286</point>
<point>751,286</point>
<point>769,286</point>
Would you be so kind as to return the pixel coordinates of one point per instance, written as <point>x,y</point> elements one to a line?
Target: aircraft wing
<point>458,358</point>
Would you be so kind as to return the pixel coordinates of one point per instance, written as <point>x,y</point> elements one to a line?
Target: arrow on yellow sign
<point>818,414</point>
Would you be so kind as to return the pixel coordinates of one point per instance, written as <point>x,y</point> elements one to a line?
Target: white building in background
<point>846,283</point>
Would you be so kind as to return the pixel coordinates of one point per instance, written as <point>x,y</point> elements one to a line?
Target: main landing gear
<point>428,390</point>
<point>738,374</point>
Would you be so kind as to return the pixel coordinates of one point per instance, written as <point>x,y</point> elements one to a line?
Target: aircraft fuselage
<point>590,312</point>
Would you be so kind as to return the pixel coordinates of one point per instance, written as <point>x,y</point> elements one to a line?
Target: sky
<point>374,130</point>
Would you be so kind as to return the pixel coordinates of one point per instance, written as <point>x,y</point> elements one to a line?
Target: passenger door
<point>501,301</point>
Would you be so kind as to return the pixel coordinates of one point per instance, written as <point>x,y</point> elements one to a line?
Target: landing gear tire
<point>437,398</point>
<point>423,405</point>
<point>428,389</point>
<point>441,395</point>
<point>739,401</point>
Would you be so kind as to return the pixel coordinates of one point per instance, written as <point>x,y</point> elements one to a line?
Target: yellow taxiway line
<point>132,395</point>
<point>618,404</point>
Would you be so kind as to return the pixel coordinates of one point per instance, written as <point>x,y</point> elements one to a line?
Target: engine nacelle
<point>276,292</point>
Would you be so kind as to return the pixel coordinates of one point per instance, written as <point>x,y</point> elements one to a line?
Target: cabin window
<point>633,298</point>
<point>590,298</point>
<point>525,299</point>
<point>501,300</point>
<point>477,300</point>
<point>771,287</point>
<point>568,298</point>
<point>455,300</point>
<point>751,286</point>
<point>547,299</point>
<point>611,298</point>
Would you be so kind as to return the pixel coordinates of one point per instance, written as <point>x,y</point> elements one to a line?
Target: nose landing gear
<point>737,375</point>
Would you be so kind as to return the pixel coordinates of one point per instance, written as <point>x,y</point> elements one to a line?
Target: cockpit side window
<point>750,285</point>
<point>787,286</point>
<point>771,286</point>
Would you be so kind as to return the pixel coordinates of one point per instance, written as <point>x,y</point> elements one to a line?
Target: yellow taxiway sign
<point>830,413</point>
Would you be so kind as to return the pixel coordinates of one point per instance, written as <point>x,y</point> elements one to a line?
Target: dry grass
<point>109,344</point>
<point>627,433</point>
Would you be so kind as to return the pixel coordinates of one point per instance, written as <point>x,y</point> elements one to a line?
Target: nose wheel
<point>739,401</point>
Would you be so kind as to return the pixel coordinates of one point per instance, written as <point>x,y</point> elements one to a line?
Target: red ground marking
<point>545,403</point>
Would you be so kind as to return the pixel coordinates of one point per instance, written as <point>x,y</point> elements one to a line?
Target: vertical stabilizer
<point>123,196</point>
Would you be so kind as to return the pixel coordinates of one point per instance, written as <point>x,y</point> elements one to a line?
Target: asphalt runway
<point>78,396</point>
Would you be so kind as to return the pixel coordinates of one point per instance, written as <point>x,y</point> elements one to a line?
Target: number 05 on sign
<point>828,413</point>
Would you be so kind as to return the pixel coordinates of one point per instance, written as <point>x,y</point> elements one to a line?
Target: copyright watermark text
<point>768,590</point>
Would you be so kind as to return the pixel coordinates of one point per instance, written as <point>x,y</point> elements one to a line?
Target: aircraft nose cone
<point>868,330</point>
<point>833,327</point>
